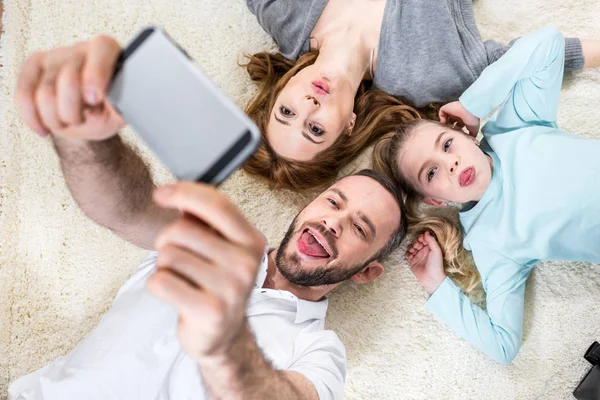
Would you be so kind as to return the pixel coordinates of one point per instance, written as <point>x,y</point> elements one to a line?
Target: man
<point>235,321</point>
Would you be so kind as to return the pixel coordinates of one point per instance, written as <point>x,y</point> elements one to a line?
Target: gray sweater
<point>429,50</point>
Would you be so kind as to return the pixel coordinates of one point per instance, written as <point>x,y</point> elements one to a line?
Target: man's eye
<point>360,230</point>
<point>315,130</point>
<point>285,111</point>
<point>333,203</point>
<point>447,144</point>
<point>430,174</point>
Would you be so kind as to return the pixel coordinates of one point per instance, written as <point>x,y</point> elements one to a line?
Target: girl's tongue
<point>308,245</point>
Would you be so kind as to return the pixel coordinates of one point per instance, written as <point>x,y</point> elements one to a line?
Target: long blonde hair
<point>458,263</point>
<point>376,114</point>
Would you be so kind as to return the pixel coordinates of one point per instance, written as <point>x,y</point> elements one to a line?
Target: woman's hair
<point>376,114</point>
<point>457,261</point>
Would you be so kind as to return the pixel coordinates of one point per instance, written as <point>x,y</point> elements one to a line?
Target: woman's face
<point>310,113</point>
<point>445,164</point>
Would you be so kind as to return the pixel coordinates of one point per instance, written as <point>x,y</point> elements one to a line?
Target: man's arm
<point>243,373</point>
<point>113,186</point>
<point>63,91</point>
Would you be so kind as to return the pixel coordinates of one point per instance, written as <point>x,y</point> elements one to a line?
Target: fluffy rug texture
<point>59,271</point>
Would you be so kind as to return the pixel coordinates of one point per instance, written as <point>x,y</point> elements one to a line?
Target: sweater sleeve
<point>526,81</point>
<point>498,330</point>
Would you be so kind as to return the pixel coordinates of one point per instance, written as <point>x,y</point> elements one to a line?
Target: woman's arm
<point>527,79</point>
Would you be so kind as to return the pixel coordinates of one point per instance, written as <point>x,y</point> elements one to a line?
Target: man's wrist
<point>231,354</point>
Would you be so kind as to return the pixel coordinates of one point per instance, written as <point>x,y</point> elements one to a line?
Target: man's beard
<point>331,273</point>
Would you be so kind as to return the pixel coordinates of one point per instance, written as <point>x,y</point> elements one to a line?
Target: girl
<point>530,191</point>
<point>311,107</point>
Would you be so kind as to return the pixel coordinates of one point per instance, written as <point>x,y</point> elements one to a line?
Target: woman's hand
<point>456,115</point>
<point>63,91</point>
<point>426,262</point>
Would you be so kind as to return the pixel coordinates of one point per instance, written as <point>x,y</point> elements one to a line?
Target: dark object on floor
<point>589,387</point>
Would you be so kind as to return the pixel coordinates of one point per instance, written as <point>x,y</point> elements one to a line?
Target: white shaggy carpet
<point>59,271</point>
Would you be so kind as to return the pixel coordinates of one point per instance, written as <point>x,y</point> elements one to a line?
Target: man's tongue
<point>308,245</point>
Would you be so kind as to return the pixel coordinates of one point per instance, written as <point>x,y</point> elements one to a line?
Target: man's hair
<point>400,232</point>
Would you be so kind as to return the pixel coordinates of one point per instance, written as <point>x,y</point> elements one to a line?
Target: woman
<point>311,106</point>
<point>529,192</point>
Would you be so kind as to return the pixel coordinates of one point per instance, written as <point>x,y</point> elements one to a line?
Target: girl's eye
<point>315,130</point>
<point>430,174</point>
<point>447,144</point>
<point>333,203</point>
<point>285,111</point>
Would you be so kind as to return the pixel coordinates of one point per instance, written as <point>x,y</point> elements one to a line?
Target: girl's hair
<point>446,229</point>
<point>376,114</point>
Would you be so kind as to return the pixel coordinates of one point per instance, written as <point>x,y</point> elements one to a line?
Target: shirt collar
<point>307,310</point>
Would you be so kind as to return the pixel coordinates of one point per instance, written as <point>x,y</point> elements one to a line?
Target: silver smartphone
<point>194,129</point>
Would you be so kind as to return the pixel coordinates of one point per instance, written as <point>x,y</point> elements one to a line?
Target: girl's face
<point>310,113</point>
<point>444,164</point>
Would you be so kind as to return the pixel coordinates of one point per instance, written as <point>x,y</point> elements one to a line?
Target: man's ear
<point>369,273</point>
<point>433,202</point>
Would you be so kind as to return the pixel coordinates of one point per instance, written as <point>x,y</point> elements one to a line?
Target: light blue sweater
<point>543,202</point>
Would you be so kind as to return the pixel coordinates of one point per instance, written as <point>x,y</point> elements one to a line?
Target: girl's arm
<point>496,331</point>
<point>527,79</point>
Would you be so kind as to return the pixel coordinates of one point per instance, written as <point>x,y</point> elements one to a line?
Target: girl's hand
<point>456,115</point>
<point>426,262</point>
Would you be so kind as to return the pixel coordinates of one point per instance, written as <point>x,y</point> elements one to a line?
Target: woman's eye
<point>315,130</point>
<point>430,174</point>
<point>333,203</point>
<point>285,111</point>
<point>447,144</point>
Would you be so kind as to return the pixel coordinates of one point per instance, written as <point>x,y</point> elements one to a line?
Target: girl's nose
<point>454,167</point>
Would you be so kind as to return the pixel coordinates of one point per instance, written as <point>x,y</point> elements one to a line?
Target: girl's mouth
<point>466,177</point>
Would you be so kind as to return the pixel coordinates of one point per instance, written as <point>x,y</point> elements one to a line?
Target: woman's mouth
<point>320,87</point>
<point>467,177</point>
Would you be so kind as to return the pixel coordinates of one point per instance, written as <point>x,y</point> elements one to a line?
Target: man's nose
<point>333,225</point>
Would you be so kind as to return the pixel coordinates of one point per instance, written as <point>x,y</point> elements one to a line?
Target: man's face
<point>335,236</point>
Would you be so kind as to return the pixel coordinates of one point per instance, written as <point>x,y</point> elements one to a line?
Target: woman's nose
<point>313,100</point>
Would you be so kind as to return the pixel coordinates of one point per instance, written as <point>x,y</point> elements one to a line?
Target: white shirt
<point>134,353</point>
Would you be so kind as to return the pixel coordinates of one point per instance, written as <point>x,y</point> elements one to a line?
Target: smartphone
<point>194,129</point>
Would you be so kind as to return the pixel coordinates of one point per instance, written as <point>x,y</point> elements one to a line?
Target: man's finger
<point>27,83</point>
<point>213,208</point>
<point>196,270</point>
<point>173,289</point>
<point>45,100</point>
<point>196,236</point>
<point>68,92</point>
<point>98,68</point>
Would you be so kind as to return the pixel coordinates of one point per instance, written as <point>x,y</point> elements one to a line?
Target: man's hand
<point>456,115</point>
<point>63,91</point>
<point>207,263</point>
<point>426,262</point>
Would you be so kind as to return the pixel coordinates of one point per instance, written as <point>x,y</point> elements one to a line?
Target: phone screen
<point>192,127</point>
